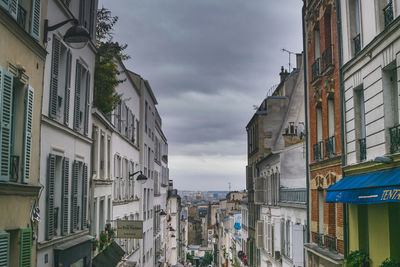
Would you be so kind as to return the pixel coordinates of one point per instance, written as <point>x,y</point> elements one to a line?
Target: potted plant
<point>389,262</point>
<point>357,258</point>
<point>95,244</point>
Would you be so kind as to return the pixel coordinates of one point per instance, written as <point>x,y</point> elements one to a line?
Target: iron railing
<point>327,58</point>
<point>293,195</point>
<point>388,13</point>
<point>330,149</point>
<point>315,67</point>
<point>14,166</point>
<point>318,151</point>
<point>21,16</point>
<point>319,239</point>
<point>394,133</point>
<point>357,44</point>
<point>330,243</point>
<point>363,149</point>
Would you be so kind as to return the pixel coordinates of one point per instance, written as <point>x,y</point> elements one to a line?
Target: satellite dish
<point>301,130</point>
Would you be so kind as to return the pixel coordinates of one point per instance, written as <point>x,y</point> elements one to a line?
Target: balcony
<point>327,59</point>
<point>330,243</point>
<point>357,44</point>
<point>319,239</point>
<point>318,151</point>
<point>388,13</point>
<point>295,195</point>
<point>14,166</point>
<point>363,149</point>
<point>394,133</point>
<point>315,70</point>
<point>330,147</point>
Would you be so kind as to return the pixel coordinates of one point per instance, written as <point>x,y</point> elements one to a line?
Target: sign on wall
<point>129,229</point>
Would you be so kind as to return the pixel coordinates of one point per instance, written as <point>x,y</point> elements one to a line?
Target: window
<point>145,117</point>
<point>87,12</point>
<point>15,128</point>
<point>12,240</point>
<point>359,121</point>
<point>355,26</point>
<point>330,144</point>
<point>321,211</point>
<point>317,51</point>
<point>81,101</point>
<point>60,81</point>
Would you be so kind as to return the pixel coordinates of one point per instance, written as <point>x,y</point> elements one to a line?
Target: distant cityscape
<point>199,197</point>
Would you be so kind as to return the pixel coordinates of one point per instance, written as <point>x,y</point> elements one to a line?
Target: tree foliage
<point>108,53</point>
<point>208,258</point>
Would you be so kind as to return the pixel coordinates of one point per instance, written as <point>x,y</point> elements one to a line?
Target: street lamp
<point>141,178</point>
<point>76,36</point>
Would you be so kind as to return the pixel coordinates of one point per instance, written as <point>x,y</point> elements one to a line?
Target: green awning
<point>110,256</point>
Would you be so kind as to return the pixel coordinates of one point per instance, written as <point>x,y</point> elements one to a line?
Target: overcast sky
<point>208,62</point>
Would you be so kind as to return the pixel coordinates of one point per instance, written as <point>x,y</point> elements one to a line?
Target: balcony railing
<point>330,149</point>
<point>296,195</point>
<point>318,149</point>
<point>330,243</point>
<point>315,69</point>
<point>363,149</point>
<point>319,239</point>
<point>21,16</point>
<point>388,13</point>
<point>14,166</point>
<point>357,44</point>
<point>394,133</point>
<point>327,58</point>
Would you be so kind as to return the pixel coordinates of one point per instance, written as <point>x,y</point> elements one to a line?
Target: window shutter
<point>77,101</point>
<point>64,205</point>
<point>35,19</point>
<point>28,133</point>
<point>6,95</point>
<point>298,235</point>
<point>67,88</point>
<point>55,61</point>
<point>4,248</point>
<point>25,247</point>
<point>87,107</point>
<point>12,8</point>
<point>260,234</point>
<point>74,195</point>
<point>4,4</point>
<point>84,195</point>
<point>51,171</point>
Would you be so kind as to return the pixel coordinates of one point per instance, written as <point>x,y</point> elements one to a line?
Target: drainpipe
<point>306,122</point>
<point>339,38</point>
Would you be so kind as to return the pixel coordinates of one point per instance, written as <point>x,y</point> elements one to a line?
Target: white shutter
<point>298,238</point>
<point>260,234</point>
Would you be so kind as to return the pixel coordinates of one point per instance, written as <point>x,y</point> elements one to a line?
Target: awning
<point>368,188</point>
<point>110,256</point>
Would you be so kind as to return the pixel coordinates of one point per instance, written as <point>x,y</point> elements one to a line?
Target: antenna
<point>290,53</point>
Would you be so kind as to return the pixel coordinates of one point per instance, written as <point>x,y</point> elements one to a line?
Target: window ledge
<point>122,202</point>
<point>102,182</point>
<point>17,189</point>
<point>61,239</point>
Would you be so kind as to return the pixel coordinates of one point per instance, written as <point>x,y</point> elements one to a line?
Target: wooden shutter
<point>77,101</point>
<point>260,234</point>
<point>298,237</point>
<point>64,200</point>
<point>12,8</point>
<point>28,133</point>
<point>67,88</point>
<point>51,172</point>
<point>55,61</point>
<point>84,195</point>
<point>4,4</point>
<point>74,195</point>
<point>6,100</point>
<point>25,247</point>
<point>35,19</point>
<point>4,249</point>
<point>87,106</point>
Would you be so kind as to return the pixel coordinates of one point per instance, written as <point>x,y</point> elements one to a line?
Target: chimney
<point>284,73</point>
<point>299,60</point>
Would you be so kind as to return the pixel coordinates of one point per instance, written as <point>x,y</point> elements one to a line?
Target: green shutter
<point>64,205</point>
<point>6,96</point>
<point>4,249</point>
<point>87,107</point>
<point>35,19</point>
<point>4,4</point>
<point>25,247</point>
<point>51,172</point>
<point>77,101</point>
<point>67,88</point>
<point>55,61</point>
<point>74,195</point>
<point>84,195</point>
<point>28,133</point>
<point>12,8</point>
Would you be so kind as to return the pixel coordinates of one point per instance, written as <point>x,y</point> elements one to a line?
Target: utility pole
<point>290,53</point>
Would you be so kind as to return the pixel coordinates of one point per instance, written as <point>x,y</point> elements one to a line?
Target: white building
<point>173,227</point>
<point>66,132</point>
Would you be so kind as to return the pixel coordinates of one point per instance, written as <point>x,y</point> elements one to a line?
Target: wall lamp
<point>76,36</point>
<point>141,178</point>
<point>162,212</point>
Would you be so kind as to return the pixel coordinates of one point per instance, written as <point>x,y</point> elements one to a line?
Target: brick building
<point>326,219</point>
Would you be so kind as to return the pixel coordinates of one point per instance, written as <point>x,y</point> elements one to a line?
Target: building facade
<point>324,133</point>
<point>22,61</point>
